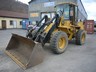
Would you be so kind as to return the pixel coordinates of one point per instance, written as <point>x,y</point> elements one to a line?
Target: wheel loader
<point>58,31</point>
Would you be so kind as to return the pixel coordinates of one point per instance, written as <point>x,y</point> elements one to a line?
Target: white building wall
<point>8,22</point>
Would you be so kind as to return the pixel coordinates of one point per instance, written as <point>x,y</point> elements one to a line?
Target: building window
<point>20,22</point>
<point>11,22</point>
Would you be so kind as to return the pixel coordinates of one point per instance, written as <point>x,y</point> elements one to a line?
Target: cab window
<point>66,11</point>
<point>63,10</point>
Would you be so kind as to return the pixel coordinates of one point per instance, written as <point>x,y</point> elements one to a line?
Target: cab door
<point>73,14</point>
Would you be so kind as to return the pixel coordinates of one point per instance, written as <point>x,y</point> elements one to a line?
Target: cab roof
<point>70,3</point>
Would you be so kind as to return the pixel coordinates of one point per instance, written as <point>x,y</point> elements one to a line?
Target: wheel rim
<point>83,38</point>
<point>62,43</point>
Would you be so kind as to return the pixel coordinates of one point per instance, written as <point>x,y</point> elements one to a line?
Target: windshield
<point>63,10</point>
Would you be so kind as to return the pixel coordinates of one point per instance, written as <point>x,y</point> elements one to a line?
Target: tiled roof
<point>13,5</point>
<point>13,14</point>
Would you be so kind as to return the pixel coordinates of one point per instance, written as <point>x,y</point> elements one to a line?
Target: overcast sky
<point>89,6</point>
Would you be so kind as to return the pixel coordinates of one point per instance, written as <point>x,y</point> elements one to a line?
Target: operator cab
<point>68,10</point>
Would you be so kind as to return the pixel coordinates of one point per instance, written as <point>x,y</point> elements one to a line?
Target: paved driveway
<point>74,59</point>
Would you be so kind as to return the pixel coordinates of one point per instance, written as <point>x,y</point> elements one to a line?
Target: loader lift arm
<point>30,31</point>
<point>43,37</point>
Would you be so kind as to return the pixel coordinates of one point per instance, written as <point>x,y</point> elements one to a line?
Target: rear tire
<point>59,42</point>
<point>80,37</point>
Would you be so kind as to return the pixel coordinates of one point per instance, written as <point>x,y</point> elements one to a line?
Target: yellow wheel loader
<point>64,26</point>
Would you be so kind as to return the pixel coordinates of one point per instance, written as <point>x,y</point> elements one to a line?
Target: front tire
<point>59,42</point>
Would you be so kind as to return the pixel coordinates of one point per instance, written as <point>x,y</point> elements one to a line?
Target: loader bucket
<point>24,52</point>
